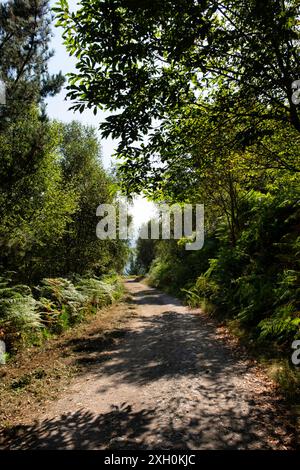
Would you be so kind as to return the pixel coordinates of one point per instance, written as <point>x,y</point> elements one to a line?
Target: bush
<point>19,315</point>
<point>60,304</point>
<point>203,290</point>
<point>64,303</point>
<point>282,326</point>
<point>100,292</point>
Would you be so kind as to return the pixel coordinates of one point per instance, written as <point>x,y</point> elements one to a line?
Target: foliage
<point>152,63</point>
<point>101,292</point>
<point>51,177</point>
<point>49,199</point>
<point>19,313</point>
<point>51,182</point>
<point>143,256</point>
<point>57,305</point>
<point>24,44</point>
<point>256,280</point>
<point>78,250</point>
<point>36,204</point>
<point>66,300</point>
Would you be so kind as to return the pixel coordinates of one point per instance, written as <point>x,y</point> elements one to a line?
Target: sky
<point>58,108</point>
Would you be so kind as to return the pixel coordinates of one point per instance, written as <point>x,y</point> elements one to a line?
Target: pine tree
<point>24,53</point>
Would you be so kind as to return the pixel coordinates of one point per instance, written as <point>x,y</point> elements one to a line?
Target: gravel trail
<point>165,382</point>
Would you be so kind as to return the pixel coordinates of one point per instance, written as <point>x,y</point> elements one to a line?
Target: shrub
<point>64,303</point>
<point>19,315</point>
<point>282,326</point>
<point>203,290</point>
<point>60,304</point>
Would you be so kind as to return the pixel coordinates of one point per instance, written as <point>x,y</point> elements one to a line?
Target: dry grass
<point>284,375</point>
<point>38,375</point>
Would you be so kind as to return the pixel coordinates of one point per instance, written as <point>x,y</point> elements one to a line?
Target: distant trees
<point>52,183</point>
<point>143,255</point>
<point>80,250</point>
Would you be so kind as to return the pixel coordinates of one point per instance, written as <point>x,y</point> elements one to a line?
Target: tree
<point>24,52</point>
<point>80,251</point>
<point>35,202</point>
<point>146,61</point>
<point>35,207</point>
<point>48,202</point>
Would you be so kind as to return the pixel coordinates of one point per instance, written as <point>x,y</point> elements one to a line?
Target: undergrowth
<point>28,316</point>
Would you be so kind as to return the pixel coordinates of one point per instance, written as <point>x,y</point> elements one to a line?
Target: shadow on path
<point>197,394</point>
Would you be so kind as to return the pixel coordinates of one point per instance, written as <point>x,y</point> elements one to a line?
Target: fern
<point>18,310</point>
<point>283,326</point>
<point>98,292</point>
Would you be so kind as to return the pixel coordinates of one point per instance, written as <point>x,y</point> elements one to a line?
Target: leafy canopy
<point>146,61</point>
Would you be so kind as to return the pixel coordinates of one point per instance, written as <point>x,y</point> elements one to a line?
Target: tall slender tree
<point>24,53</point>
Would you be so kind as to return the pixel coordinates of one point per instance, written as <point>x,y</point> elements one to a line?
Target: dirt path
<point>165,382</point>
